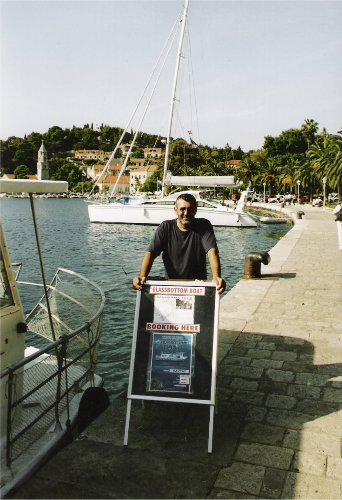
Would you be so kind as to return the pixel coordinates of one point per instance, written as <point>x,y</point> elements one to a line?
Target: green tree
<point>309,129</point>
<point>35,139</point>
<point>150,185</point>
<point>291,141</point>
<point>249,170</point>
<point>25,155</point>
<point>183,159</point>
<point>21,172</point>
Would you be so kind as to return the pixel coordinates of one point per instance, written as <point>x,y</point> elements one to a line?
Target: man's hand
<point>138,281</point>
<point>220,285</point>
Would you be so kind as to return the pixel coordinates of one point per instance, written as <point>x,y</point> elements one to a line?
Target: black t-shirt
<point>184,252</point>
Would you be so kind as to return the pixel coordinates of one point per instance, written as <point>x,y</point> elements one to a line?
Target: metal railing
<point>40,388</point>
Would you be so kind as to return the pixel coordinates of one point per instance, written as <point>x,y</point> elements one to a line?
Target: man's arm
<point>144,270</point>
<point>215,266</point>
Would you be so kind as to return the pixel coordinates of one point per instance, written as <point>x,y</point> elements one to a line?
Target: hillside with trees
<point>295,155</point>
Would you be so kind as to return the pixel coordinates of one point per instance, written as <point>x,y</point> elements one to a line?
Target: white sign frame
<point>176,287</point>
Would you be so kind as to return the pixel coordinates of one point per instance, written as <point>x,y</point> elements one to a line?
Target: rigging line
<point>142,118</point>
<point>192,86</point>
<point>138,104</point>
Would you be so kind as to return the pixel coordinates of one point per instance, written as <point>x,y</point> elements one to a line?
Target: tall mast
<point>173,95</point>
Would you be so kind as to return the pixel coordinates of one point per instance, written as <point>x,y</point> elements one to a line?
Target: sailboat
<point>48,357</point>
<point>130,210</point>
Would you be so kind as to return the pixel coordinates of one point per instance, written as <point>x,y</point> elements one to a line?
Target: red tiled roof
<point>233,162</point>
<point>111,179</point>
<point>11,176</point>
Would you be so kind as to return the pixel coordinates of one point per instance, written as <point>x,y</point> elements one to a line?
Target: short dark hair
<point>187,197</point>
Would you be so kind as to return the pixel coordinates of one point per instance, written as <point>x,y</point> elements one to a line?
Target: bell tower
<point>42,164</point>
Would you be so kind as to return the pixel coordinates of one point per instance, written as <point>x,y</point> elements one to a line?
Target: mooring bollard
<point>300,214</point>
<point>252,265</point>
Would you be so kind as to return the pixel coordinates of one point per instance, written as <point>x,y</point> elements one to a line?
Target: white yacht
<point>153,212</point>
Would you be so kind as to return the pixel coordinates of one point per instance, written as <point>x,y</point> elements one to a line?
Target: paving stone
<point>310,379</point>
<point>259,353</point>
<point>241,477</point>
<point>332,395</point>
<point>234,494</point>
<point>303,391</point>
<point>310,463</point>
<point>289,419</point>
<point>256,413</point>
<point>317,408</point>
<point>242,371</point>
<point>276,401</point>
<point>284,356</point>
<point>237,360</point>
<point>305,486</point>
<point>251,398</point>
<point>241,383</point>
<point>311,442</point>
<point>227,336</point>
<point>268,456</point>
<point>222,493</point>
<point>297,367</point>
<point>264,434</point>
<point>334,468</point>
<point>331,424</point>
<point>293,341</point>
<point>267,344</point>
<point>267,363</point>
<point>271,387</point>
<point>272,483</point>
<point>280,375</point>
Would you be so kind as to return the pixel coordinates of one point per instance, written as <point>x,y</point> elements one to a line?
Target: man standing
<point>184,243</point>
<point>338,217</point>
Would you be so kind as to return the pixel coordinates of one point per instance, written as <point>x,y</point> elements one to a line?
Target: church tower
<point>42,165</point>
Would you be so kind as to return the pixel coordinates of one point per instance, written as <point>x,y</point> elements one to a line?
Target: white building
<point>42,164</point>
<point>138,177</point>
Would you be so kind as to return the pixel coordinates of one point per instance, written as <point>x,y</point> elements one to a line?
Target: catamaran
<point>133,210</point>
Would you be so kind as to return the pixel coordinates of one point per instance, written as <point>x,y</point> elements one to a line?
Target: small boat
<point>273,220</point>
<point>44,381</point>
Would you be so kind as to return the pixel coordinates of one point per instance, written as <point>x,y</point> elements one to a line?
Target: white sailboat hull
<point>155,214</point>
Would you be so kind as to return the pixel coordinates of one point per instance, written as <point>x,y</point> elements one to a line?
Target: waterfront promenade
<point>278,429</point>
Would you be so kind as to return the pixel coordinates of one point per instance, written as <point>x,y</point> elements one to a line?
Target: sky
<point>249,69</point>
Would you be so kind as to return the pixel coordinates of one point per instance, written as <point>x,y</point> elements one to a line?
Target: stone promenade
<point>278,426</point>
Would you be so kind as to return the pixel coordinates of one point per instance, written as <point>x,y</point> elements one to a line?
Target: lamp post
<point>324,180</point>
<point>298,184</point>
<point>264,184</point>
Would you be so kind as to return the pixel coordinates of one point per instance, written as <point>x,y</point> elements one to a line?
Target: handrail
<point>57,342</point>
<point>56,372</point>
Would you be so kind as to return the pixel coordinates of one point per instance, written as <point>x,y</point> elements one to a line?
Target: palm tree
<point>309,129</point>
<point>249,169</point>
<point>287,174</point>
<point>308,178</point>
<point>333,170</point>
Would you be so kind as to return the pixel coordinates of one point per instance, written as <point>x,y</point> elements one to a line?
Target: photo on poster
<point>171,363</point>
<point>174,309</point>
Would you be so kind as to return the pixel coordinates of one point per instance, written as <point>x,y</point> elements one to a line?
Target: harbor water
<point>110,256</point>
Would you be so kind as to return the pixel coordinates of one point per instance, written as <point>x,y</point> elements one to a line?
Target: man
<point>184,243</point>
<point>338,217</point>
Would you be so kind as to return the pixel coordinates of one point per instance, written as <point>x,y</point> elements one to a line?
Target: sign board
<point>174,349</point>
